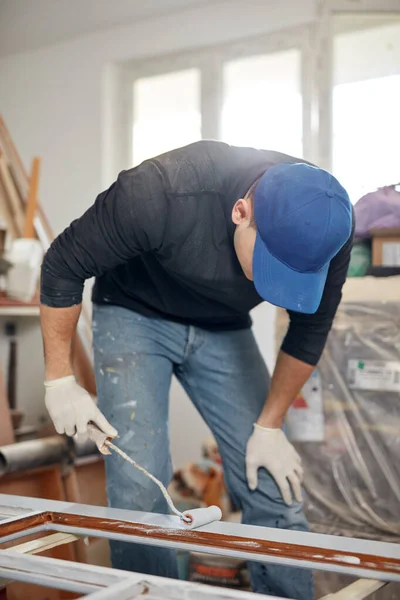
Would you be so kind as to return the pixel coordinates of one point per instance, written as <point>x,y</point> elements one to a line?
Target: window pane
<point>166,113</point>
<point>366,101</point>
<point>262,102</point>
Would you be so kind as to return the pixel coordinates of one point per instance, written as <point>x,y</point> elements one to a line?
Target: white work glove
<point>270,448</point>
<point>71,408</point>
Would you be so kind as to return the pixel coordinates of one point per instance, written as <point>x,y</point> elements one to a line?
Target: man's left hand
<point>270,448</point>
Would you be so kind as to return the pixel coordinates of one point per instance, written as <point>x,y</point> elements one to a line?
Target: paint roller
<point>190,518</point>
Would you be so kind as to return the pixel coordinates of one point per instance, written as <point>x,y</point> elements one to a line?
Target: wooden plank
<point>53,540</point>
<point>21,179</point>
<point>91,481</point>
<point>16,165</point>
<point>44,482</point>
<point>51,545</point>
<point>12,197</point>
<point>32,202</point>
<point>358,590</point>
<point>6,428</point>
<point>5,212</point>
<point>83,366</point>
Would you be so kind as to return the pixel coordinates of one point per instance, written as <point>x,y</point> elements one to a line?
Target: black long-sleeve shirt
<point>160,242</point>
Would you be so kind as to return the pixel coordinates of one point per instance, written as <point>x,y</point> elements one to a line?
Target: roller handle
<point>99,438</point>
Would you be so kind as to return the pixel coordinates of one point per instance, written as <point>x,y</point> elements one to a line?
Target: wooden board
<point>91,481</point>
<point>194,538</point>
<point>12,197</point>
<point>6,428</point>
<point>32,201</point>
<point>5,212</point>
<point>16,175</point>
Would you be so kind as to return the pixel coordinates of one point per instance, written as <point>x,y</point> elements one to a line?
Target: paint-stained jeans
<point>227,380</point>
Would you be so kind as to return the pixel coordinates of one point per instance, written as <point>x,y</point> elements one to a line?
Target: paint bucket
<point>217,570</point>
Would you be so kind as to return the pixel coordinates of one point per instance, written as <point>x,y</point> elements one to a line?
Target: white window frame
<point>315,44</point>
<point>324,67</point>
<point>210,62</point>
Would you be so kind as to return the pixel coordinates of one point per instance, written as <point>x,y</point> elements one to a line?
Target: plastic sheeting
<point>346,422</point>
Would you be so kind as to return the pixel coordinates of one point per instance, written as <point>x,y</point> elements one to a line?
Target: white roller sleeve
<point>202,516</point>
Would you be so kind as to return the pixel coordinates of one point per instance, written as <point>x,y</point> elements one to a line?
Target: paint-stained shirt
<point>160,242</point>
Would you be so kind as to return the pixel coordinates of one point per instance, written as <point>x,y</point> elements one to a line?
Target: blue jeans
<point>226,378</point>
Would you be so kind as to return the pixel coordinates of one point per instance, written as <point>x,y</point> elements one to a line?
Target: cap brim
<point>282,286</point>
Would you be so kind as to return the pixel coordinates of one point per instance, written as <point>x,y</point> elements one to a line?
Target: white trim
<point>361,6</point>
<point>326,11</point>
<point>314,41</point>
<point>210,62</point>
<point>105,583</point>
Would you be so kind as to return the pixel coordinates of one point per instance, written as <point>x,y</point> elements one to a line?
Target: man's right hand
<point>71,408</point>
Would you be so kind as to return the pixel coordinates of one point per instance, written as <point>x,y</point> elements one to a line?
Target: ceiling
<point>31,24</point>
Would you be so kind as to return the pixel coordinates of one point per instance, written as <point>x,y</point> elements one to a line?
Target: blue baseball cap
<point>303,217</point>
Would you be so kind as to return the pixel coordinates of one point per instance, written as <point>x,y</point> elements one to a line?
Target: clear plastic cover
<point>346,423</point>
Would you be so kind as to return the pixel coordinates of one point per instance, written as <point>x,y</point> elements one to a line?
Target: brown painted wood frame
<point>262,547</point>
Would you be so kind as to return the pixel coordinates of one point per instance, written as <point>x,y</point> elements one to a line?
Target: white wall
<point>52,99</point>
<point>57,102</point>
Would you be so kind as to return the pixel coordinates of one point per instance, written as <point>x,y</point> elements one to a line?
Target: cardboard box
<point>386,247</point>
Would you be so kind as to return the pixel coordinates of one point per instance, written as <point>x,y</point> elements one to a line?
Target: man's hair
<point>250,196</point>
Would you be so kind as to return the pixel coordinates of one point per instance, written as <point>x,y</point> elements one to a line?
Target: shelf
<point>13,308</point>
<point>19,311</point>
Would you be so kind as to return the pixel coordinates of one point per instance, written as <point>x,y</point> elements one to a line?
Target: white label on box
<point>391,254</point>
<point>374,375</point>
<point>305,418</point>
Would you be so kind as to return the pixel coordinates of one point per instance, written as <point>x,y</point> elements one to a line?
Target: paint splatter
<point>352,560</point>
<point>127,437</point>
<point>130,403</point>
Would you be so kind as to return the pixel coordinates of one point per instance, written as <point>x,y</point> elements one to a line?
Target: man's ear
<point>242,211</point>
